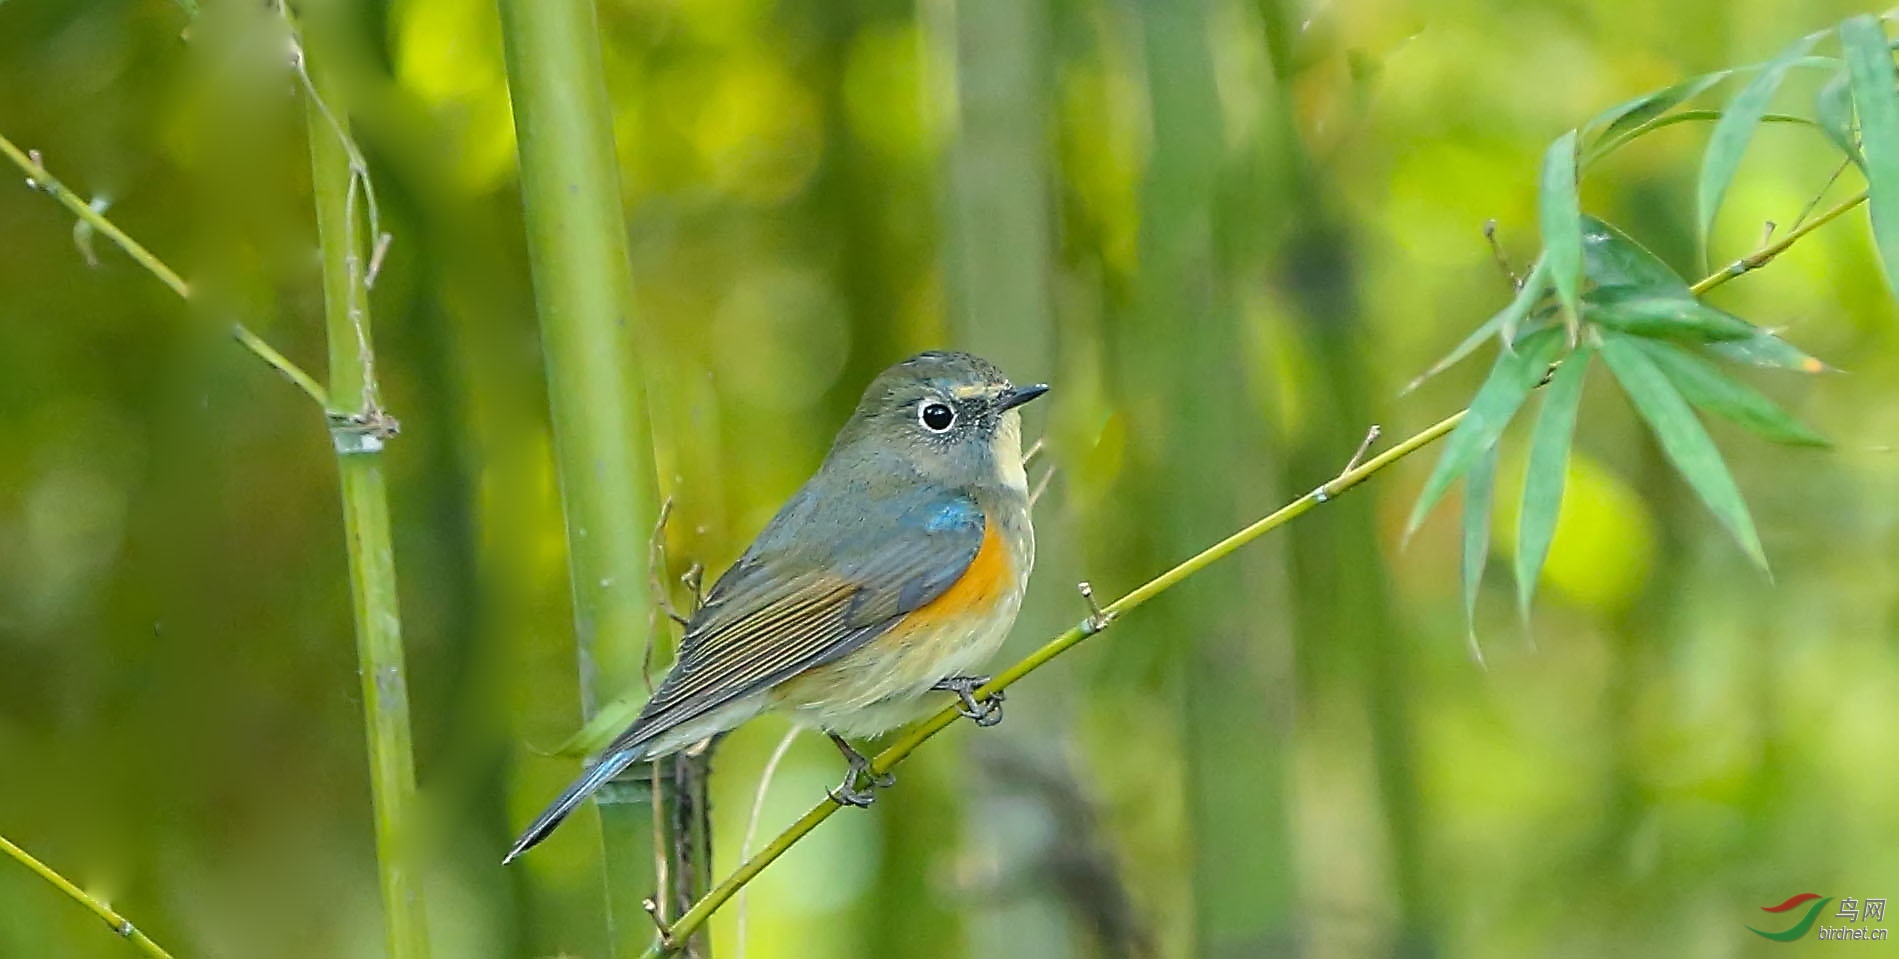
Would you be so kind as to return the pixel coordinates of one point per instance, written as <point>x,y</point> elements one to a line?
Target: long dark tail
<point>609,766</point>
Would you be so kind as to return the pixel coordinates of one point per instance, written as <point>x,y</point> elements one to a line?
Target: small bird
<point>895,571</point>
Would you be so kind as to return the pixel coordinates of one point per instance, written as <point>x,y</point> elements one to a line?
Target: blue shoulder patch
<point>957,512</point>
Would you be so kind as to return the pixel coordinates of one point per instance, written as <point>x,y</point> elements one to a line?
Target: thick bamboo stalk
<point>1235,720</point>
<point>1340,603</point>
<point>578,254</point>
<point>995,215</point>
<point>997,210</point>
<point>359,426</point>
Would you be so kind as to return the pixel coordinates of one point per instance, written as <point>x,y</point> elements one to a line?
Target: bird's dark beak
<point>1016,396</point>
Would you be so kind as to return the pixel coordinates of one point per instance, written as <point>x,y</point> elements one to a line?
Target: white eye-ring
<point>936,416</point>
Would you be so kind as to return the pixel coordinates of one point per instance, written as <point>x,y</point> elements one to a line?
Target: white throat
<point>1007,449</point>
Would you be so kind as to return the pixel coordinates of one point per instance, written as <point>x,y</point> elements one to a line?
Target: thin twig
<point>1371,436</point>
<point>662,863</point>
<point>656,564</point>
<point>1820,194</point>
<point>376,256</point>
<point>1098,619</point>
<point>1035,449</point>
<point>657,913</point>
<point>751,821</point>
<point>361,277</point>
<point>281,363</point>
<point>686,800</point>
<point>358,166</point>
<point>1496,252</point>
<point>1041,486</point>
<point>39,179</point>
<point>1766,253</point>
<point>694,580</point>
<point>119,924</point>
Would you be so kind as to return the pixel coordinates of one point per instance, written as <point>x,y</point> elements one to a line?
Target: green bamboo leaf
<point>1601,150</point>
<point>1529,293</point>
<point>1479,485</point>
<point>1682,438</point>
<point>1611,258</point>
<point>1511,379</point>
<point>1876,100</point>
<point>608,721</point>
<point>1559,212</point>
<point>1636,116</point>
<point>1708,388</point>
<point>1641,312</point>
<point>1766,349</point>
<point>1543,479</point>
<point>1503,323</point>
<point>1834,108</point>
<point>1730,137</point>
<point>1630,114</point>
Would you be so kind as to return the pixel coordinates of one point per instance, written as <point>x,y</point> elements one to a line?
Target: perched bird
<point>895,571</point>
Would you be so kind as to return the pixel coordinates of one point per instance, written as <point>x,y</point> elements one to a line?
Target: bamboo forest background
<point>1228,233</point>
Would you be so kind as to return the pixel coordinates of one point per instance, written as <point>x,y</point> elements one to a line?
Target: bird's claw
<point>848,792</point>
<point>985,712</point>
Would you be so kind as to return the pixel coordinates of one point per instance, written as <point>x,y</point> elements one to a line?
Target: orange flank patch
<point>890,671</point>
<point>988,577</point>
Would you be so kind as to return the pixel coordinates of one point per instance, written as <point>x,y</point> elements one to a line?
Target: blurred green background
<point>1228,233</point>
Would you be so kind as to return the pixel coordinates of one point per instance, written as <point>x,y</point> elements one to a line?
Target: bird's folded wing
<point>786,606</point>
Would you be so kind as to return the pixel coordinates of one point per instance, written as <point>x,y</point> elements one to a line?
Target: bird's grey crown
<point>955,365</point>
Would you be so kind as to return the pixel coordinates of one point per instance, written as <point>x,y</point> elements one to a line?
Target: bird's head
<point>950,416</point>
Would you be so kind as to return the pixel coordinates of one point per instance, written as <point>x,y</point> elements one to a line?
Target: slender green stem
<point>1358,473</point>
<point>570,191</point>
<point>1762,256</point>
<point>922,732</point>
<point>282,364</point>
<point>40,179</point>
<point>118,923</point>
<point>358,437</point>
<point>358,432</point>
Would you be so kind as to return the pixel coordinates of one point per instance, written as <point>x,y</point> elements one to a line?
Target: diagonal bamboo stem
<point>358,432</point>
<point>118,923</point>
<point>1095,623</point>
<point>1767,251</point>
<point>695,917</point>
<point>40,179</point>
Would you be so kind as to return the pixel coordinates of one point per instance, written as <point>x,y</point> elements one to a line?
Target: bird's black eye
<point>936,417</point>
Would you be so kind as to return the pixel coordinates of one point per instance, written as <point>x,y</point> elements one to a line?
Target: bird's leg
<point>848,793</point>
<point>986,711</point>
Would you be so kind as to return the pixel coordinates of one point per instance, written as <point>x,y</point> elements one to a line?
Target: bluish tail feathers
<point>609,766</point>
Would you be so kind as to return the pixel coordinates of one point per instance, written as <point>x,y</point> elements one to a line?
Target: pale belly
<point>886,683</point>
